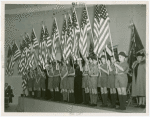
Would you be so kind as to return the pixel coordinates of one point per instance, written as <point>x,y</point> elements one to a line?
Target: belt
<point>56,76</point>
<point>85,74</point>
<point>120,73</point>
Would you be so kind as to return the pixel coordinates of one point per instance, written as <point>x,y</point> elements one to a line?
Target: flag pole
<point>112,46</point>
<point>111,42</point>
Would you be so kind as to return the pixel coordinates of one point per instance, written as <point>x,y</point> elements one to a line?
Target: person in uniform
<point>93,74</point>
<point>35,76</point>
<point>139,80</point>
<point>56,80</point>
<point>111,81</point>
<point>30,82</point>
<point>78,84</point>
<point>70,81</point>
<point>42,82</point>
<point>121,80</point>
<point>104,80</point>
<point>37,83</point>
<point>50,74</point>
<point>63,82</point>
<point>85,82</point>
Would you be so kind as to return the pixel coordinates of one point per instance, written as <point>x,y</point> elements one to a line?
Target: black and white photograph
<point>85,57</point>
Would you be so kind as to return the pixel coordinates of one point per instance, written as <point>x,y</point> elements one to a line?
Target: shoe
<point>84,103</point>
<point>112,106</point>
<point>104,105</point>
<point>142,106</point>
<point>137,106</point>
<point>118,108</point>
<point>94,104</point>
<point>90,104</point>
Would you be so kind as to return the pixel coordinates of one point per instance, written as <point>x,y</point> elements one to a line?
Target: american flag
<point>34,39</point>
<point>96,28</point>
<point>42,49</point>
<point>63,38</point>
<point>16,51</point>
<point>48,45</point>
<point>104,29</point>
<point>14,56</point>
<point>33,54</point>
<point>85,27</point>
<point>9,54</point>
<point>69,40</point>
<point>76,31</point>
<point>47,36</point>
<point>20,65</point>
<point>23,56</point>
<point>24,82</point>
<point>27,50</point>
<point>55,37</point>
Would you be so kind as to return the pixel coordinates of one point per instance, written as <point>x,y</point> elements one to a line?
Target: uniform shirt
<point>70,70</point>
<point>125,66</point>
<point>50,72</point>
<point>93,69</point>
<point>104,74</point>
<point>43,75</point>
<point>63,70</point>
<point>56,72</point>
<point>31,75</point>
<point>113,69</point>
<point>85,70</point>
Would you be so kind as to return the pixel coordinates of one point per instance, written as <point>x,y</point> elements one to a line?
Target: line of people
<point>77,81</point>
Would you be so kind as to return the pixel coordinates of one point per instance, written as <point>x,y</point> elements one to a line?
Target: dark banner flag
<point>135,46</point>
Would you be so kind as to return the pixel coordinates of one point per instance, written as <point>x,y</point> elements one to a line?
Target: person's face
<point>139,58</point>
<point>103,60</point>
<point>112,59</point>
<point>121,58</point>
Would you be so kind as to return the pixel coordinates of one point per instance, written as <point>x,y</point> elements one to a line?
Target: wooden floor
<point>130,109</point>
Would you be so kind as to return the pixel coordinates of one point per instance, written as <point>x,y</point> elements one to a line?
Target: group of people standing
<point>8,94</point>
<point>78,81</point>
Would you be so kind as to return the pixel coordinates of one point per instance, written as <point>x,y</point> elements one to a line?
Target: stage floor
<point>26,104</point>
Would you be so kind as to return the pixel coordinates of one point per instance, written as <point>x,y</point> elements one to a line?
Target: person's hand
<point>115,63</point>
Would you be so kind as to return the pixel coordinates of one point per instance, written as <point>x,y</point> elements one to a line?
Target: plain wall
<point>120,17</point>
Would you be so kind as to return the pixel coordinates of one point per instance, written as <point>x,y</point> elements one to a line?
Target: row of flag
<point>72,42</point>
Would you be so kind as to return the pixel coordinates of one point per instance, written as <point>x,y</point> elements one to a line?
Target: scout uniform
<point>121,81</point>
<point>103,82</point>
<point>70,83</point>
<point>30,82</point>
<point>50,80</point>
<point>121,76</point>
<point>37,84</point>
<point>42,83</point>
<point>56,81</point>
<point>63,82</point>
<point>85,84</point>
<point>111,77</point>
<point>104,76</point>
<point>111,84</point>
<point>93,84</point>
